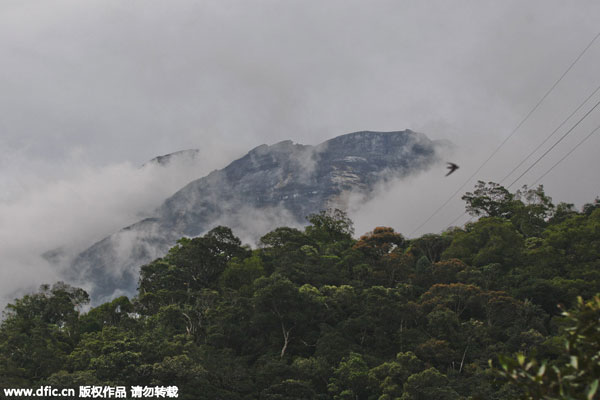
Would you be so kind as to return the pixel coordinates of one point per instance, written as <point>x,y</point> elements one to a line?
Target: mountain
<point>185,155</point>
<point>268,187</point>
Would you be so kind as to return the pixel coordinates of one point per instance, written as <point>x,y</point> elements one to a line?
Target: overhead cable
<point>550,135</point>
<point>567,155</point>
<point>555,144</point>
<point>537,105</point>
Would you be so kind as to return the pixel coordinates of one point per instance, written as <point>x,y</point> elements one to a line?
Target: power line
<point>555,144</point>
<point>545,173</point>
<point>511,134</point>
<point>456,219</point>
<point>551,134</point>
<point>567,155</point>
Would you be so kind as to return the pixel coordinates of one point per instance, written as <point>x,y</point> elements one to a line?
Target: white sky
<point>90,90</point>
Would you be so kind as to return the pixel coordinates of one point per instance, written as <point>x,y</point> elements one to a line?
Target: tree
<point>382,250</point>
<point>242,273</point>
<point>317,314</point>
<point>114,313</point>
<point>489,200</point>
<point>429,384</point>
<point>389,377</point>
<point>330,226</point>
<point>489,240</point>
<point>532,210</point>
<point>282,251</point>
<point>282,307</point>
<point>38,332</point>
<point>431,246</point>
<point>528,209</point>
<point>379,313</point>
<point>190,266</point>
<point>315,370</point>
<point>181,371</point>
<point>589,208</point>
<point>115,355</point>
<point>457,297</point>
<point>447,271</point>
<point>579,378</point>
<point>380,242</point>
<point>202,260</point>
<point>292,389</point>
<point>350,379</point>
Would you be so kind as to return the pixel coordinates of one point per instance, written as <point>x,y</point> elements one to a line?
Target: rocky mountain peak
<point>270,186</point>
<point>164,160</point>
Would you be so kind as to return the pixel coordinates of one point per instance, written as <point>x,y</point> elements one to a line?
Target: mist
<point>51,220</point>
<point>93,90</point>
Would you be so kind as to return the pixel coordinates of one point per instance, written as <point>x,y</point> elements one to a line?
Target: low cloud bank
<point>47,221</point>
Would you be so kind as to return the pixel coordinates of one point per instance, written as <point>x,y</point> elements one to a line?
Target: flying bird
<point>452,167</point>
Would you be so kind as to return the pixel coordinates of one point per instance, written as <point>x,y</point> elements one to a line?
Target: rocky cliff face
<point>268,187</point>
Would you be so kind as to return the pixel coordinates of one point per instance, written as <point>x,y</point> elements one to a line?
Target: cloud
<point>230,75</point>
<point>51,219</point>
<point>405,203</point>
<point>91,90</point>
<point>250,224</point>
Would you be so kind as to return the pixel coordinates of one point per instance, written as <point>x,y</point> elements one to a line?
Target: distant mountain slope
<point>186,155</point>
<point>268,187</point>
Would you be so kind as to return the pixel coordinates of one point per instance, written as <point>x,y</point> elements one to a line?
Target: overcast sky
<point>90,90</point>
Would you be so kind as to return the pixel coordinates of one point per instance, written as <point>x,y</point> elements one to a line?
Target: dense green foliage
<point>574,377</point>
<point>317,314</point>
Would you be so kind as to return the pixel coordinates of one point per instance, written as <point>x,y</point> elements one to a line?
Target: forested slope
<point>317,314</point>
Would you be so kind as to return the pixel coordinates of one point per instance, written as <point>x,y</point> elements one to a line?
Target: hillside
<point>270,186</point>
<point>314,313</point>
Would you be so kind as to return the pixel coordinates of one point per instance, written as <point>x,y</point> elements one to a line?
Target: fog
<point>51,220</point>
<point>92,90</point>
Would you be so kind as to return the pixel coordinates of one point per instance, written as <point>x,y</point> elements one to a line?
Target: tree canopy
<point>314,313</point>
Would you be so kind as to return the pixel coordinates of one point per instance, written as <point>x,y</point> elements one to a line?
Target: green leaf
<point>592,390</point>
<point>529,365</point>
<point>575,362</point>
<point>542,370</point>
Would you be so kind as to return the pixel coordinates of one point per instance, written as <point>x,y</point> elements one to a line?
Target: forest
<point>505,307</point>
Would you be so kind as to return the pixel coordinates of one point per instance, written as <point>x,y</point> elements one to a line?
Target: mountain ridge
<point>271,185</point>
